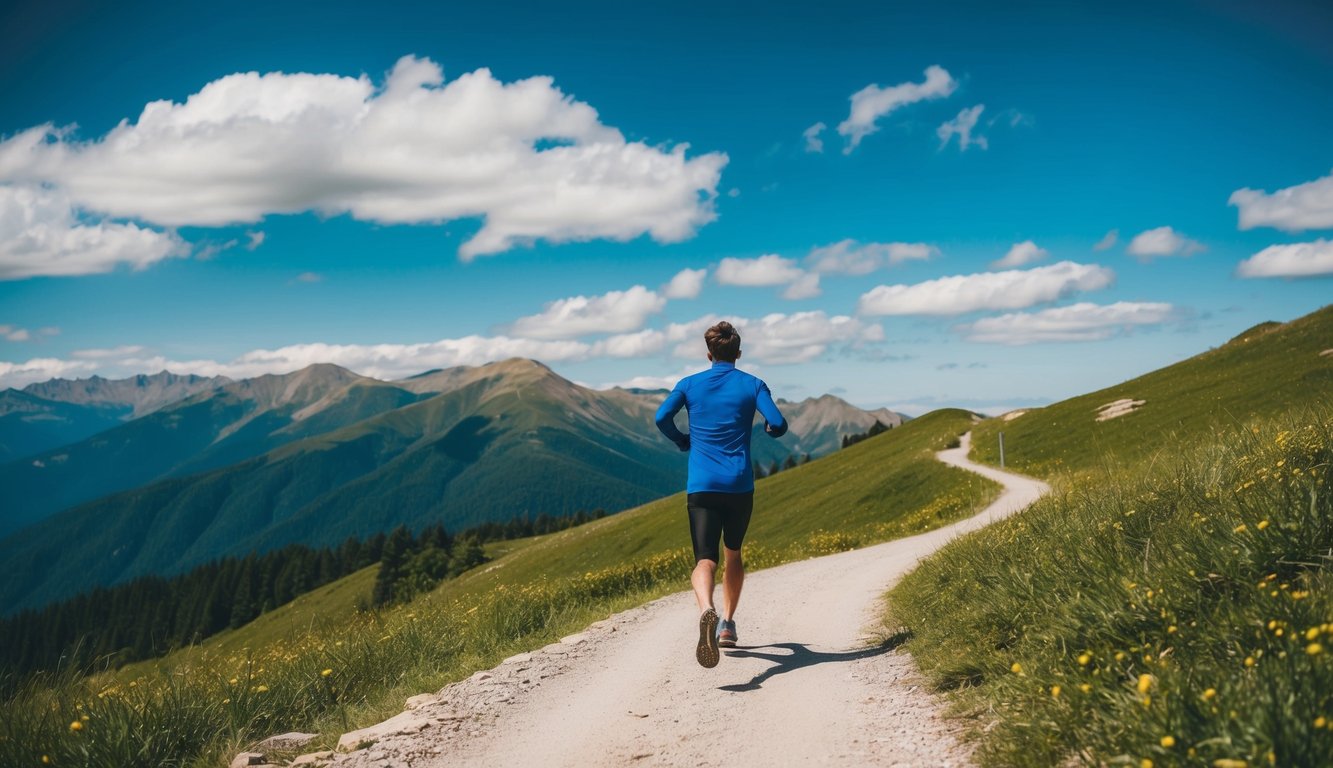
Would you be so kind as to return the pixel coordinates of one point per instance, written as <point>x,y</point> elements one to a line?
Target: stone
<point>401,723</point>
<point>574,639</point>
<point>314,758</point>
<point>518,658</point>
<point>286,742</point>
<point>481,676</point>
<point>246,759</point>
<point>420,700</point>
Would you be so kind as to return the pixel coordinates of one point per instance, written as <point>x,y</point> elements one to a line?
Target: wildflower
<point>1314,649</point>
<point>1055,691</point>
<point>1017,668</point>
<point>325,673</point>
<point>1209,694</point>
<point>1239,529</point>
<point>1084,658</point>
<point>1311,633</point>
<point>1119,655</point>
<point>1262,525</point>
<point>1085,687</point>
<point>1145,763</point>
<point>1320,722</point>
<point>1171,630</point>
<point>226,701</point>
<point>77,725</point>
<point>1145,682</point>
<point>261,688</point>
<point>232,681</point>
<point>1249,661</point>
<point>1168,741</point>
<point>46,759</point>
<point>1227,762</point>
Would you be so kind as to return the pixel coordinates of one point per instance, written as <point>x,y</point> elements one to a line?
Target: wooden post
<point>1001,450</point>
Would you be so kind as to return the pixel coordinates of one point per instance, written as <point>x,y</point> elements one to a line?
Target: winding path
<point>810,683</point>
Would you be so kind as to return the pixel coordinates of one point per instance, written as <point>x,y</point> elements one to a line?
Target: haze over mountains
<point>321,454</point>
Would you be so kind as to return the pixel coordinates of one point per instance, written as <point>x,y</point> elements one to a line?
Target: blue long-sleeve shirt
<point>721,402</point>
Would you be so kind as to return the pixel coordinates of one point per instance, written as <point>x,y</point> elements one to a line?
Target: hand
<point>769,429</point>
<point>684,444</point>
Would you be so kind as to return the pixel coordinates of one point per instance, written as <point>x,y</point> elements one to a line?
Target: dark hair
<point>724,342</point>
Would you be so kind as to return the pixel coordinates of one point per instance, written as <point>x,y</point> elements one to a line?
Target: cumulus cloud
<point>811,135</point>
<point>686,284</point>
<point>1108,241</point>
<point>776,339</point>
<point>1012,289</point>
<point>852,258</point>
<point>804,287</point>
<point>612,312</point>
<point>531,162</point>
<point>762,271</point>
<point>1294,209</point>
<point>873,102</point>
<point>1162,241</point>
<point>41,235</point>
<point>1021,254</point>
<point>14,333</point>
<point>961,126</point>
<point>1293,260</point>
<point>779,339</point>
<point>1078,322</point>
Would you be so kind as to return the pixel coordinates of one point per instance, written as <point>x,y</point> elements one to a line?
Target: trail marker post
<point>1001,450</point>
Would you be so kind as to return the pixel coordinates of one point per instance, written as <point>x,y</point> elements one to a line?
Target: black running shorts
<point>714,515</point>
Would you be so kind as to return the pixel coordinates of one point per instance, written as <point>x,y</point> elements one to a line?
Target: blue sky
<point>372,197</point>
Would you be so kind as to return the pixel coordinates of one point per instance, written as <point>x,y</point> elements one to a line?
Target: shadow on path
<point>800,656</point>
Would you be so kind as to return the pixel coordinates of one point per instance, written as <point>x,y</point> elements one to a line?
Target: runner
<point>721,402</point>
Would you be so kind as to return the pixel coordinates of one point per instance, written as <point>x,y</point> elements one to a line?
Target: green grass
<point>1182,539</point>
<point>1266,371</point>
<point>1192,603</point>
<point>202,705</point>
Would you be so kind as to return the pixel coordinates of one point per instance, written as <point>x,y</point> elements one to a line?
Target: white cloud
<point>254,239</point>
<point>1162,241</point>
<point>41,369</point>
<point>804,287</point>
<point>531,162</point>
<point>686,284</point>
<point>778,339</point>
<point>612,312</point>
<point>764,270</point>
<point>1294,209</point>
<point>853,258</point>
<point>811,135</point>
<point>1293,260</point>
<point>1021,254</point>
<point>873,102</point>
<point>647,382</point>
<point>641,344</point>
<point>309,277</point>
<point>41,235</point>
<point>108,354</point>
<point>961,126</point>
<point>1078,322</point>
<point>959,294</point>
<point>1108,241</point>
<point>14,333</point>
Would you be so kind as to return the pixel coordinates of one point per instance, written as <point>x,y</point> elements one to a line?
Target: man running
<point>721,402</point>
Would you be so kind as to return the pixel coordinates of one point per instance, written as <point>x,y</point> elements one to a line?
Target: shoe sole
<point>721,643</point>
<point>706,651</point>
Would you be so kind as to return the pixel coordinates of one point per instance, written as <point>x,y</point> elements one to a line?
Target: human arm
<point>666,419</point>
<point>775,425</point>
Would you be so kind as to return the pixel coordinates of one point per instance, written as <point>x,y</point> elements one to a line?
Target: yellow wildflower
<point>1249,661</point>
<point>1312,633</point>
<point>1055,691</point>
<point>261,688</point>
<point>1314,649</point>
<point>1209,694</point>
<point>1017,668</point>
<point>326,673</point>
<point>1145,682</point>
<point>1320,721</point>
<point>77,725</point>
<point>1145,763</point>
<point>1085,687</point>
<point>1168,741</point>
<point>1262,525</point>
<point>1084,658</point>
<point>1227,762</point>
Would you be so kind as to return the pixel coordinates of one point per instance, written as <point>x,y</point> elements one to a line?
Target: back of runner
<point>721,403</point>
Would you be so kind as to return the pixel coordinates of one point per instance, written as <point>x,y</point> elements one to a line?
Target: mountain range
<point>321,454</point>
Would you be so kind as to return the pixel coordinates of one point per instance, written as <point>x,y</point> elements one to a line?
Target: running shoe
<point>726,634</point>
<point>706,652</point>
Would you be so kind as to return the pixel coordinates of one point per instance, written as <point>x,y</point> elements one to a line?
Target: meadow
<point>321,666</point>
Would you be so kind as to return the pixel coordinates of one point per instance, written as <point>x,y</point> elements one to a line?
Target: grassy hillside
<point>352,669</point>
<point>1170,603</point>
<point>1265,371</point>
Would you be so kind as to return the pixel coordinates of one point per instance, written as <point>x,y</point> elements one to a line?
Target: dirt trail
<point>810,683</point>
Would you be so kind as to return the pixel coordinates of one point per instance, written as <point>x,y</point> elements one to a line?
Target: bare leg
<point>733,578</point>
<point>702,579</point>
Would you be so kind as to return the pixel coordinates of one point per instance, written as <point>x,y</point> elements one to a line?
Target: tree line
<point>153,615</point>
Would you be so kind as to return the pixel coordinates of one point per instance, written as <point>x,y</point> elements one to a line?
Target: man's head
<point>724,343</point>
